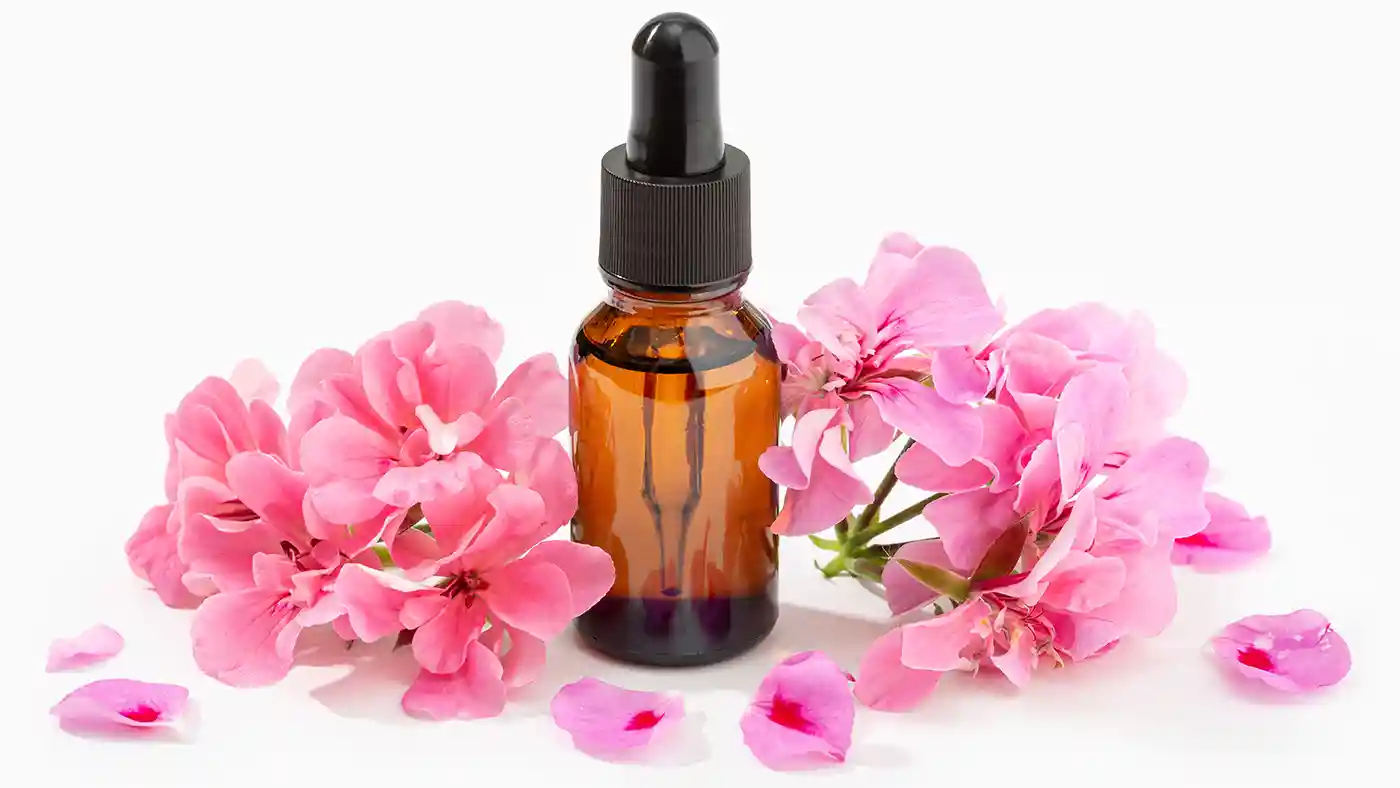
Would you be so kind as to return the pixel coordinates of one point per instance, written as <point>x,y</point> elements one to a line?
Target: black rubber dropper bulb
<point>675,127</point>
<point>675,195</point>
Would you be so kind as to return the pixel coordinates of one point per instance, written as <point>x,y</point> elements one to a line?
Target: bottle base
<point>677,632</point>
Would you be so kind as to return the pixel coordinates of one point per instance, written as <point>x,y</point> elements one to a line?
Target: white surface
<point>185,184</point>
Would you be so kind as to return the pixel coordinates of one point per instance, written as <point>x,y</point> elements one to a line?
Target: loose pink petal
<point>940,643</point>
<point>1231,540</point>
<point>968,523</point>
<point>122,703</point>
<point>153,555</point>
<point>606,720</point>
<point>246,638</point>
<point>885,683</point>
<point>803,710</point>
<point>472,692</point>
<point>902,592</point>
<point>1294,652</point>
<point>95,644</point>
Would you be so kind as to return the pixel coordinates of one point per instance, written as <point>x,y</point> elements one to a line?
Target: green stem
<point>868,515</point>
<point>893,521</point>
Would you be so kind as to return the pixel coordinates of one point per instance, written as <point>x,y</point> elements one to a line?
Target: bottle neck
<point>632,299</point>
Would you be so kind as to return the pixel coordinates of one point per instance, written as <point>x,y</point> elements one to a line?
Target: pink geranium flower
<point>607,720</point>
<point>414,410</point>
<point>1231,539</point>
<point>854,358</point>
<point>1296,652</point>
<point>1065,590</point>
<point>803,712</point>
<point>487,566</point>
<point>121,703</point>
<point>211,425</point>
<point>93,645</point>
<point>273,575</point>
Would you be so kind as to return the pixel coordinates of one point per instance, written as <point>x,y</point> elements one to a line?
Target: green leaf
<point>825,544</point>
<point>938,578</point>
<point>1005,552</point>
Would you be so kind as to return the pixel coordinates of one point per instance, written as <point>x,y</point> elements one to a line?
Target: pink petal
<point>1093,405</point>
<point>372,601</point>
<point>404,485</point>
<point>1037,364</point>
<point>885,683</point>
<point>390,380</point>
<point>531,595</point>
<point>588,569</point>
<point>315,370</point>
<point>938,643</point>
<point>869,433</point>
<point>1018,662</point>
<point>516,523</point>
<point>225,558</point>
<point>1082,582</point>
<point>841,317</point>
<point>902,592</point>
<point>1294,652</point>
<point>443,642</point>
<point>953,432</point>
<point>549,471</point>
<point>942,301</point>
<point>832,484</point>
<point>1163,485</point>
<point>254,381</point>
<point>532,402</point>
<point>272,490</point>
<point>921,468</point>
<point>474,691</point>
<point>968,523</point>
<point>459,384</point>
<point>152,552</point>
<point>803,710</point>
<point>788,340</point>
<point>456,323</point>
<point>605,720</point>
<point>958,376</point>
<point>95,644</point>
<point>121,702</point>
<point>1003,440</point>
<point>1144,607</point>
<point>1231,540</point>
<point>246,638</point>
<point>522,655</point>
<point>344,460</point>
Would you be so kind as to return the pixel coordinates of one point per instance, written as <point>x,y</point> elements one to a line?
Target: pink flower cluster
<point>408,495</point>
<point>1060,500</point>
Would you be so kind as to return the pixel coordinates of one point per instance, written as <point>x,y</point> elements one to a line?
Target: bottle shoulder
<point>689,335</point>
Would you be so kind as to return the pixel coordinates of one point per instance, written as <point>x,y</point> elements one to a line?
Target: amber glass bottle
<point>674,380</point>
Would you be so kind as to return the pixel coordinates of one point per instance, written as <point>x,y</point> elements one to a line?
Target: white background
<point>185,184</point>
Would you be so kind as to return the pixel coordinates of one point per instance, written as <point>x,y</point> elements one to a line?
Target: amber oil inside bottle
<point>674,398</point>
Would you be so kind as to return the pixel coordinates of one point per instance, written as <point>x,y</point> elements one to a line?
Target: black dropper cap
<point>675,207</point>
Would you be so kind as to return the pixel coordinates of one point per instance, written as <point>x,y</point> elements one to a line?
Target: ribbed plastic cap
<point>675,197</point>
